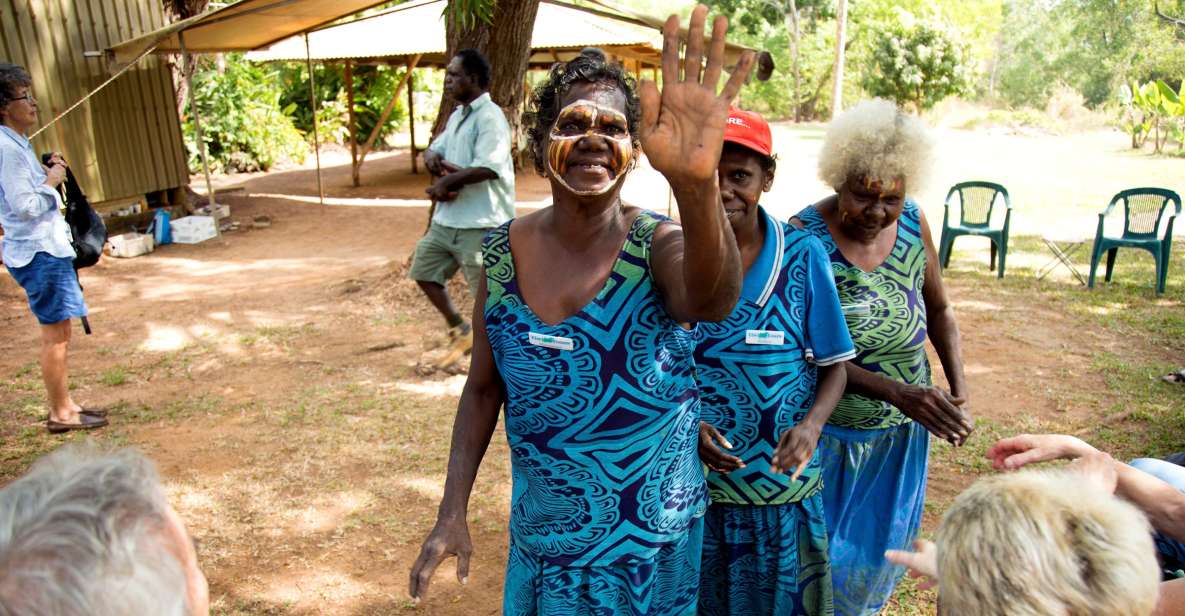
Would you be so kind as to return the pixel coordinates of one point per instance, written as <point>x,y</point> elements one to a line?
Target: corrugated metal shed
<point>124,142</point>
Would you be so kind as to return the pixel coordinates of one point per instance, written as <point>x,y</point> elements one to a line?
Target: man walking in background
<point>473,192</point>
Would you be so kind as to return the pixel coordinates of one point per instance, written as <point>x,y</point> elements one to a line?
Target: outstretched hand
<point>922,563</point>
<point>1017,451</point>
<point>682,129</point>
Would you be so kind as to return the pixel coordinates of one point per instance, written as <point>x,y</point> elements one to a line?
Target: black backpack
<point>86,226</point>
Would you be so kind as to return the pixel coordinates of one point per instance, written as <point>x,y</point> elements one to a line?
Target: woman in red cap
<point>769,376</point>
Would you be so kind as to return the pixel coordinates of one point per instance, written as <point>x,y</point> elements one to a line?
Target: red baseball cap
<point>750,130</point>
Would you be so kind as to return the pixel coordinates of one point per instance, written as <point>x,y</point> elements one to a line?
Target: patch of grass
<point>1149,418</point>
<point>1127,306</point>
<point>114,377</point>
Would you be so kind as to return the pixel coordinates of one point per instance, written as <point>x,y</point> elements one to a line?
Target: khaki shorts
<point>444,250</point>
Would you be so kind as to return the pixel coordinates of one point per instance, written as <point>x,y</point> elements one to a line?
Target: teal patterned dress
<point>874,457</point>
<point>602,418</point>
<point>765,539</point>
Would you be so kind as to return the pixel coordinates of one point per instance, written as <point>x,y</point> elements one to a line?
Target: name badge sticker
<point>762,336</point>
<point>552,342</point>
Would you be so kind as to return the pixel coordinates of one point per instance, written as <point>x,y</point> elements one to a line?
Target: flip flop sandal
<point>1177,377</point>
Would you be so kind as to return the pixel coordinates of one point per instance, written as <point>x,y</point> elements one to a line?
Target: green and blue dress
<point>602,418</point>
<point>873,456</point>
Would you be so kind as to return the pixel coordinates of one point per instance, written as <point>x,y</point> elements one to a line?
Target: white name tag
<point>551,342</point>
<point>762,336</point>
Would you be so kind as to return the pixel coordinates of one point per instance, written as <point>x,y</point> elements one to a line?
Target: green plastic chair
<point>1143,209</point>
<point>976,201</point>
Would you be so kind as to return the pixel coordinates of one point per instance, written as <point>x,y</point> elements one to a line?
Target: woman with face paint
<point>577,333</point>
<point>769,375</point>
<point>875,446</point>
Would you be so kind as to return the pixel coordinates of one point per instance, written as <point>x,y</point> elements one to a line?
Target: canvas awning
<point>417,28</point>
<point>243,26</point>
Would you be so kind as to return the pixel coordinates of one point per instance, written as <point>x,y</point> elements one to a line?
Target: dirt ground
<point>277,377</point>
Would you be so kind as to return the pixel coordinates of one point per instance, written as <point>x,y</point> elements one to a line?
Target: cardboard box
<point>130,245</point>
<point>193,229</point>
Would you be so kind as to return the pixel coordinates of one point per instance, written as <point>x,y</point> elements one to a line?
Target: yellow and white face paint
<point>584,119</point>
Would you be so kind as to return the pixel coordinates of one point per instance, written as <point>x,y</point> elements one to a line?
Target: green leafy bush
<point>373,88</point>
<point>243,124</point>
<point>915,63</point>
<point>1154,110</point>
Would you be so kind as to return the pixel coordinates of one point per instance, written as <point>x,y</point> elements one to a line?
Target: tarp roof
<point>243,26</point>
<point>417,28</point>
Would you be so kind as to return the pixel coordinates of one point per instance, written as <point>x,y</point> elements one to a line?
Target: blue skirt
<point>1170,551</point>
<point>52,287</point>
<point>874,489</point>
<point>766,560</point>
<point>666,585</point>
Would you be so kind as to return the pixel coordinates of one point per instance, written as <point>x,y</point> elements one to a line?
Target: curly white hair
<point>876,140</point>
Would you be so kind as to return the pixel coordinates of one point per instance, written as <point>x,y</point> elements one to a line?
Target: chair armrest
<point>1107,211</point>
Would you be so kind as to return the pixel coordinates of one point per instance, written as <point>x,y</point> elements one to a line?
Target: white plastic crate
<point>193,229</point>
<point>130,245</point>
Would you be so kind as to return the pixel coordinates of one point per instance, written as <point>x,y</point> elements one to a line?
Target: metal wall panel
<point>125,141</point>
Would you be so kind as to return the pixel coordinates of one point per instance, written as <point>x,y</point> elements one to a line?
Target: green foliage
<point>1153,109</point>
<point>916,63</point>
<point>373,88</point>
<point>243,125</point>
<point>1094,46</point>
<point>756,16</point>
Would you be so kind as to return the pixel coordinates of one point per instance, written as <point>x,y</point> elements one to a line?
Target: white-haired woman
<point>1044,543</point>
<point>91,533</point>
<point>875,446</point>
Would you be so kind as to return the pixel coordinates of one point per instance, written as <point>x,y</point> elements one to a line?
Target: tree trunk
<point>795,40</point>
<point>179,10</point>
<point>507,44</point>
<point>841,23</point>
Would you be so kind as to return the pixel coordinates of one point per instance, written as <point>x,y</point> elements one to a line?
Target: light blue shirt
<point>29,210</point>
<point>477,135</point>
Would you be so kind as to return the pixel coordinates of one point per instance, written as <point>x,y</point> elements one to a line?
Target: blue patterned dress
<point>874,457</point>
<point>765,541</point>
<point>602,419</point>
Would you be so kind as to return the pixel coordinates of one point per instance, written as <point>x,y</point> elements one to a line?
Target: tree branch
<point>1180,23</point>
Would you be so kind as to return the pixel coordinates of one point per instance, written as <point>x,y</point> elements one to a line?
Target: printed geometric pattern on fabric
<point>603,435</point>
<point>886,316</point>
<point>766,561</point>
<point>665,585</point>
<point>874,491</point>
<point>753,393</point>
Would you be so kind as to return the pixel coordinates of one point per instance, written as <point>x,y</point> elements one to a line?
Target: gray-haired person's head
<point>91,533</point>
<point>1045,543</point>
<point>877,142</point>
<point>13,77</point>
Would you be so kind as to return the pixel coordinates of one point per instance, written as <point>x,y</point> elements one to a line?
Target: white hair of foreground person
<point>876,140</point>
<point>1045,543</point>
<point>86,533</point>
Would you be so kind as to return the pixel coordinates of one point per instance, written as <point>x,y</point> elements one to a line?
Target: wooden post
<point>411,117</point>
<point>350,119</point>
<point>374,134</point>
<point>197,120</point>
<point>308,56</point>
